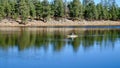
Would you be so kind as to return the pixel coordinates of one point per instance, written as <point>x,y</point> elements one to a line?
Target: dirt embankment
<point>6,22</point>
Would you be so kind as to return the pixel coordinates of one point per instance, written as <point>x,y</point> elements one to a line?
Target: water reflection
<point>25,38</point>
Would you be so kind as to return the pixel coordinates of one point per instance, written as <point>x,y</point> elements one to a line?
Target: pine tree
<point>90,12</point>
<point>32,10</point>
<point>99,10</point>
<point>96,15</point>
<point>45,10</point>
<point>2,14</point>
<point>81,10</point>
<point>119,13</point>
<point>24,11</point>
<point>103,13</point>
<point>58,8</point>
<point>7,8</point>
<point>52,10</point>
<point>38,9</point>
<point>76,9</point>
<point>70,9</point>
<point>114,12</point>
<point>14,9</point>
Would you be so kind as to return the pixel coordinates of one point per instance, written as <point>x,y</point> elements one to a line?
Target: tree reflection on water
<point>57,39</point>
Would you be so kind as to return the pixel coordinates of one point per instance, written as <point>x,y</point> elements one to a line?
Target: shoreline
<point>52,23</point>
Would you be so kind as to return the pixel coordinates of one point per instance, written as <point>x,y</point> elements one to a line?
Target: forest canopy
<point>73,10</point>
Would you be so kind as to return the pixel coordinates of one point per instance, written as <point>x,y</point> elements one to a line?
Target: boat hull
<point>72,36</point>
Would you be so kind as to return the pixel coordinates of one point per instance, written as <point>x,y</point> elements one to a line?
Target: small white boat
<point>72,36</point>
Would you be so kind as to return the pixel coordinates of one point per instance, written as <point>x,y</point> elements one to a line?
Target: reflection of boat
<point>72,36</point>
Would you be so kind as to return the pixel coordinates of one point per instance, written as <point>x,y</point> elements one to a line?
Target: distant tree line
<point>44,10</point>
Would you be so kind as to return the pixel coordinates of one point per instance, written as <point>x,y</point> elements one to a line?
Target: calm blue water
<point>50,48</point>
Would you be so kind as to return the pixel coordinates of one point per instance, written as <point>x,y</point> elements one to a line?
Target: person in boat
<point>72,35</point>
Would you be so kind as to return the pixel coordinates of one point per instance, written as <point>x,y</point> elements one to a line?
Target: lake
<point>49,47</point>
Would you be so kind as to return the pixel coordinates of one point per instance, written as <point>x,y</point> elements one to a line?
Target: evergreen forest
<point>59,9</point>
